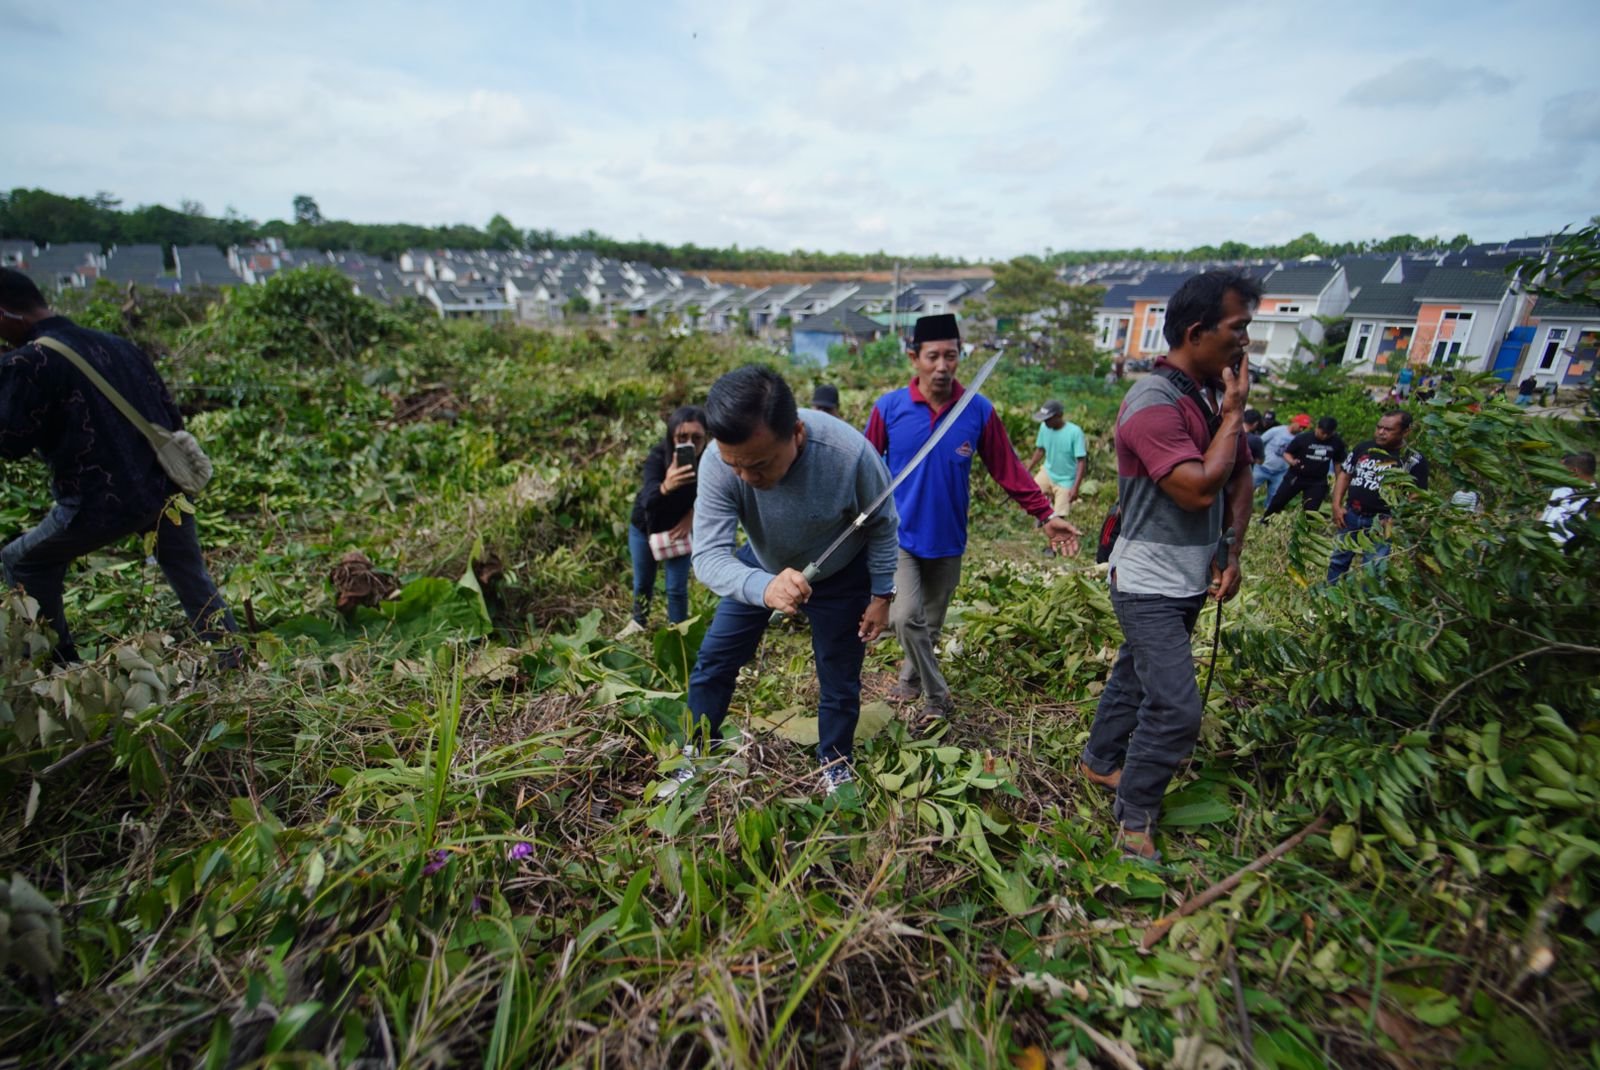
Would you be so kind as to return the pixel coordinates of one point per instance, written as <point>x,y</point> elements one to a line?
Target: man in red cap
<point>933,500</point>
<point>1311,457</point>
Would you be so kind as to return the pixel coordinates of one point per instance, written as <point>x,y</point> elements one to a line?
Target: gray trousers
<point>923,586</point>
<point>1149,713</point>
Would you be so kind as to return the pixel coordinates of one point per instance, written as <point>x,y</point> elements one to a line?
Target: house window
<point>1552,346</point>
<point>1454,327</point>
<point>1155,317</point>
<point>1363,337</point>
<point>1288,310</point>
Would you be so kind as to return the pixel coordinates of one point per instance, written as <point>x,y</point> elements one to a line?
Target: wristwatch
<point>887,597</point>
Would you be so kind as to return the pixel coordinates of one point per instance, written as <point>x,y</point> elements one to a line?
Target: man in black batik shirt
<point>1358,500</point>
<point>1311,456</point>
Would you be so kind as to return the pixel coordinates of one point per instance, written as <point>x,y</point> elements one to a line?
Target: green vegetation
<point>428,835</point>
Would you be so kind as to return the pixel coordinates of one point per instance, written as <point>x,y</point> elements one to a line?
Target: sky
<point>969,129</point>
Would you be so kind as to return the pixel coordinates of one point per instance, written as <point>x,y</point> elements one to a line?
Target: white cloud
<point>1257,137</point>
<point>953,128</point>
<point>1427,82</point>
<point>1572,117</point>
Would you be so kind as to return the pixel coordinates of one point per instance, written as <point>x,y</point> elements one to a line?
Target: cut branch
<point>1153,935</point>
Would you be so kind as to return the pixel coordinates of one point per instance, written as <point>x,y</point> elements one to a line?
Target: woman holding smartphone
<point>663,514</point>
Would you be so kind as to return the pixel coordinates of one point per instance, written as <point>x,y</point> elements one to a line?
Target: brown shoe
<point>902,693</point>
<point>1107,781</point>
<point>935,710</point>
<point>1138,846</point>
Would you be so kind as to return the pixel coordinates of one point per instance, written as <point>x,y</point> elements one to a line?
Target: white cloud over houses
<point>947,127</point>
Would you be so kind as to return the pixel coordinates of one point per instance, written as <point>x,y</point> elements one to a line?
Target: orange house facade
<point>1450,318</point>
<point>1129,322</point>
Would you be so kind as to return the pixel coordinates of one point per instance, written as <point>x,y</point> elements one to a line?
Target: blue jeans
<point>644,579</point>
<point>1149,713</point>
<point>1344,551</point>
<point>1261,476</point>
<point>834,610</point>
<point>37,561</point>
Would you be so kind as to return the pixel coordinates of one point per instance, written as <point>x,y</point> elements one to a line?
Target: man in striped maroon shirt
<point>1183,477</point>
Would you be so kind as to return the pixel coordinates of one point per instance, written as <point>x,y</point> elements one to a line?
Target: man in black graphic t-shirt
<point>1311,456</point>
<point>1358,501</point>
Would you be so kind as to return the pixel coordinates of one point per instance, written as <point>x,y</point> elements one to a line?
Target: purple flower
<point>441,858</point>
<point>520,850</point>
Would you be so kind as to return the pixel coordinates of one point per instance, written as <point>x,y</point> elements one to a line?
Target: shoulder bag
<point>178,452</point>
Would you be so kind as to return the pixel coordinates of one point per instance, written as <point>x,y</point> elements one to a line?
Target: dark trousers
<point>645,567</point>
<point>37,561</point>
<point>1344,545</point>
<point>834,611</point>
<point>1315,491</point>
<point>1149,713</point>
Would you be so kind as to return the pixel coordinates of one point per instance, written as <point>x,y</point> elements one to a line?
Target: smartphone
<point>683,454</point>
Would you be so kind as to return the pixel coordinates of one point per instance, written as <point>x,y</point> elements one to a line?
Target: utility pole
<point>894,303</point>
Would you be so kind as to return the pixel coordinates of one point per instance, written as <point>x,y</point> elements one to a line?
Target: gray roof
<point>840,321</point>
<point>1492,259</point>
<point>1155,285</point>
<point>1366,271</point>
<point>1576,309</point>
<point>1463,284</point>
<point>1384,299</point>
<point>135,263</point>
<point>1300,280</point>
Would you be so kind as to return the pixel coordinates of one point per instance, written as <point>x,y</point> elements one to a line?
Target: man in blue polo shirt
<point>933,500</point>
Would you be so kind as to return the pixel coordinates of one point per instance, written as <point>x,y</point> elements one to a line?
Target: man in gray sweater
<point>794,479</point>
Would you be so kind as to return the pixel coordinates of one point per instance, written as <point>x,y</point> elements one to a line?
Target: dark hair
<point>1198,302</point>
<point>1583,462</point>
<point>683,414</point>
<point>1405,418</point>
<point>18,293</point>
<point>1328,424</point>
<point>746,399</point>
<point>1252,416</point>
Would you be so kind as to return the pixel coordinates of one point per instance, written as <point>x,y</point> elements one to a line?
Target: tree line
<point>41,216</point>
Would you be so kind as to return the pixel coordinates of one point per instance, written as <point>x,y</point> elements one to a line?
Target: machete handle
<point>810,573</point>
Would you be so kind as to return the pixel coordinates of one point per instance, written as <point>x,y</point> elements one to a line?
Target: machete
<point>969,391</point>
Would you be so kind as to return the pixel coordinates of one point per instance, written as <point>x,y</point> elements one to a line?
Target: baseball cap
<point>1049,410</point>
<point>1301,420</point>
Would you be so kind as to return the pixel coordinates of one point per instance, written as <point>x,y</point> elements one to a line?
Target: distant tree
<point>306,211</point>
<point>1053,315</point>
<point>191,207</point>
<point>1330,350</point>
<point>502,235</point>
<point>578,305</point>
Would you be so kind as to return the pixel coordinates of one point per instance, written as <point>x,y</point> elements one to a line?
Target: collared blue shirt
<point>934,499</point>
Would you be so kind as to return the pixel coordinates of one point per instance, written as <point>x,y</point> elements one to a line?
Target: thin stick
<point>1113,1051</point>
<point>1475,677</point>
<point>1153,935</point>
<point>82,752</point>
<point>1247,1044</point>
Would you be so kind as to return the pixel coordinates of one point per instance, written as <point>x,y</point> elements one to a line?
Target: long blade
<point>969,392</point>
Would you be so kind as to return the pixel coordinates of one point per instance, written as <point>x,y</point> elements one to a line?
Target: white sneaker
<point>835,775</point>
<point>680,776</point>
<point>633,628</point>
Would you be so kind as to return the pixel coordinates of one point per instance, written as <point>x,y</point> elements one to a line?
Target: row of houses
<point>1461,310</point>
<point>526,286</point>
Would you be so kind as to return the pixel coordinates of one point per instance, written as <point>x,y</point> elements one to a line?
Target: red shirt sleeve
<point>877,432</point>
<point>1157,436</point>
<point>994,446</point>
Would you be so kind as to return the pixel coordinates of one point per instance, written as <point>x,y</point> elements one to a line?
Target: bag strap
<point>1187,385</point>
<point>157,437</point>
